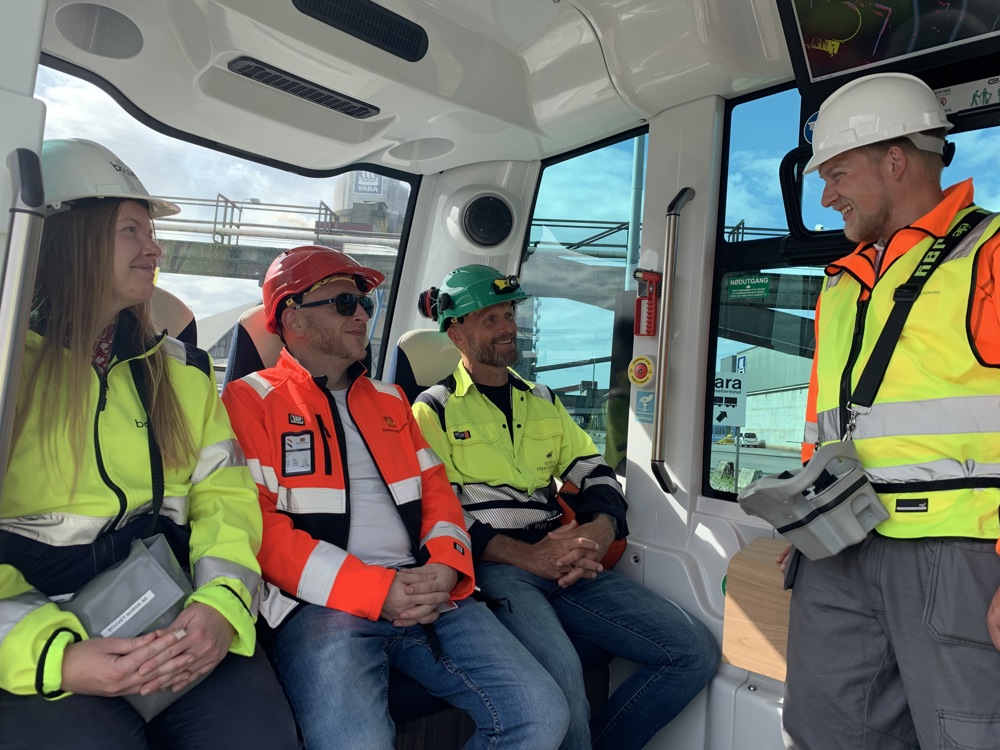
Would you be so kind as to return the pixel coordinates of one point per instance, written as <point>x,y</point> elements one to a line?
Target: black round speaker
<point>488,220</point>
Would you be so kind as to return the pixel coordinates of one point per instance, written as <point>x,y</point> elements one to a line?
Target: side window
<point>236,215</point>
<point>581,252</point>
<point>764,337</point>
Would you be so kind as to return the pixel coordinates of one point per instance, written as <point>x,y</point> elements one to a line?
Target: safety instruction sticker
<point>972,95</point>
<point>749,287</point>
<point>645,407</point>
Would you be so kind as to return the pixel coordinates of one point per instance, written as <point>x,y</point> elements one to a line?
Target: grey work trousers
<point>888,647</point>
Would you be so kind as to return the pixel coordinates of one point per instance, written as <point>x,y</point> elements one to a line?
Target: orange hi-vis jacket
<point>929,444</point>
<point>288,425</point>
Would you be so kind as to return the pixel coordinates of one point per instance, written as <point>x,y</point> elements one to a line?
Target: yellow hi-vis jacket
<point>213,495</point>
<point>503,481</point>
<point>931,443</point>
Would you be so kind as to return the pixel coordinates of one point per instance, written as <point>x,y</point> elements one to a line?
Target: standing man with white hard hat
<point>895,642</point>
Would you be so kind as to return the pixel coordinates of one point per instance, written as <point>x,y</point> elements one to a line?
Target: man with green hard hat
<point>505,442</point>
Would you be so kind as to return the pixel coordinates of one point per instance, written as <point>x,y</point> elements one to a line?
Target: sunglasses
<point>345,302</point>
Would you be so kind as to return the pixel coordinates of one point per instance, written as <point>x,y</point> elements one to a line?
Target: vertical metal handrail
<point>659,449</point>
<point>24,238</point>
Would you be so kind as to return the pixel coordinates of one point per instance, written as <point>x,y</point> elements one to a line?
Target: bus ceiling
<point>466,82</point>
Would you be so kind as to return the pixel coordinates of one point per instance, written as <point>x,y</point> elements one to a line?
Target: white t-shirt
<point>377,536</point>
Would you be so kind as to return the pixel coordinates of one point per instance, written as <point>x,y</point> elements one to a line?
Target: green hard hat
<point>471,288</point>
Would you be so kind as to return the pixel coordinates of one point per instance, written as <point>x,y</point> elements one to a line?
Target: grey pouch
<point>142,593</point>
<point>823,508</point>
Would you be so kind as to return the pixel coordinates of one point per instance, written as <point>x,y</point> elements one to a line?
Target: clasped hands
<point>572,552</point>
<point>167,659</point>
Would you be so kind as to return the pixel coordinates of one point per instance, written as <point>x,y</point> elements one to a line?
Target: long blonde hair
<point>73,284</point>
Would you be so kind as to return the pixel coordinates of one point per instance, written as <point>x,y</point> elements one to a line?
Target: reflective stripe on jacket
<point>504,484</point>
<point>931,442</point>
<point>213,495</point>
<point>287,423</point>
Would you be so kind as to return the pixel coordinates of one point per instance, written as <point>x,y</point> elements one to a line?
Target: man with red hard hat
<point>366,561</point>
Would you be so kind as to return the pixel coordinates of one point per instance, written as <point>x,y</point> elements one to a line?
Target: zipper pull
<point>102,397</point>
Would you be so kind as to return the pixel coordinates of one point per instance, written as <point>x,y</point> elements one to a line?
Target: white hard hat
<point>74,168</point>
<point>876,108</point>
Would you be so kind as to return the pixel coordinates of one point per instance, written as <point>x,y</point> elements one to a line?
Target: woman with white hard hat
<point>120,435</point>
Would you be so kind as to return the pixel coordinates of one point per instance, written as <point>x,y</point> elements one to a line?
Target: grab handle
<point>659,450</point>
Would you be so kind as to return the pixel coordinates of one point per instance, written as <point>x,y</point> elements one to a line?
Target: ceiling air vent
<point>488,220</point>
<point>370,23</point>
<point>255,70</point>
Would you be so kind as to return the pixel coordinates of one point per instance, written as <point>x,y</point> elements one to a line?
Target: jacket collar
<point>291,365</point>
<point>464,381</point>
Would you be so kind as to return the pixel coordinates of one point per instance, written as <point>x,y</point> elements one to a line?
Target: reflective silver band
<point>385,388</point>
<point>406,490</point>
<point>218,456</point>
<point>941,416</point>
<point>428,459</point>
<point>207,569</point>
<point>275,605</point>
<point>449,530</point>
<point>581,470</point>
<point>316,581</point>
<point>509,511</point>
<point>15,608</point>
<point>312,500</point>
<point>69,529</point>
<point>263,475</point>
<point>259,384</point>
<point>945,469</point>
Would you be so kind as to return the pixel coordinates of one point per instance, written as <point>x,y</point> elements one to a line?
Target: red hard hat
<point>296,270</point>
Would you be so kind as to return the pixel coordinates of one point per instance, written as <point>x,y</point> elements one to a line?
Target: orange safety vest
<point>287,423</point>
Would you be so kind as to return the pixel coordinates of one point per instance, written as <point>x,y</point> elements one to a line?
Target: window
<point>582,249</point>
<point>765,309</point>
<point>236,215</point>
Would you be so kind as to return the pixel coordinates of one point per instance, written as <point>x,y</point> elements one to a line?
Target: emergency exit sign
<point>749,287</point>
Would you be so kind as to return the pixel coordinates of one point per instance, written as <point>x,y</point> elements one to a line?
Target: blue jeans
<point>335,670</point>
<point>239,704</point>
<point>677,654</point>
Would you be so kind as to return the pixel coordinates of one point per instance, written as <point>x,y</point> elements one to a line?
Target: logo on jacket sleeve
<point>296,419</point>
<point>463,435</point>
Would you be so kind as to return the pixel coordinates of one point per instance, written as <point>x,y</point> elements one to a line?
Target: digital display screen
<point>841,36</point>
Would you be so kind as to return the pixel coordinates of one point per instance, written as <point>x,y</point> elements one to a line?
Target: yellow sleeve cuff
<point>52,663</point>
<point>230,598</point>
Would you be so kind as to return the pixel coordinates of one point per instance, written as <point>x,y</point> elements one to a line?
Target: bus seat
<point>252,346</point>
<point>171,313</point>
<point>421,358</point>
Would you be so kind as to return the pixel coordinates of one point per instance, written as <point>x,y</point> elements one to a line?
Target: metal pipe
<point>635,215</point>
<point>659,449</point>
<point>275,232</point>
<point>27,218</point>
